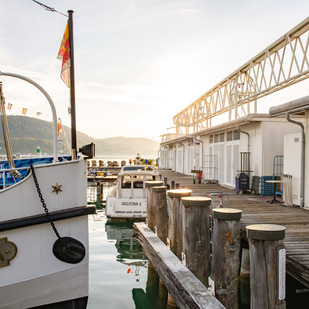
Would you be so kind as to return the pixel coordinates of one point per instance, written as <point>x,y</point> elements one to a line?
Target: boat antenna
<point>47,8</point>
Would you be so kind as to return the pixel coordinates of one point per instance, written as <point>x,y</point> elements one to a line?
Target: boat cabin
<point>128,197</point>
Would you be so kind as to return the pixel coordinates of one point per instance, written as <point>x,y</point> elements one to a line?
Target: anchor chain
<point>43,202</point>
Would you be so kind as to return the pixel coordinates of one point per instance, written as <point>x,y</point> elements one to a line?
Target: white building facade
<point>221,152</point>
<point>296,148</point>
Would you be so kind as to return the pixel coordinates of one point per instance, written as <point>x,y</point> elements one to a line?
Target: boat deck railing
<point>10,170</point>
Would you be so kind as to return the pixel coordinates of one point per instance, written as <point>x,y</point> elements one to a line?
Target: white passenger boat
<point>128,197</point>
<point>43,229</point>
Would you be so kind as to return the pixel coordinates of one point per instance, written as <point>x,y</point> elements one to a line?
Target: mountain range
<point>27,134</point>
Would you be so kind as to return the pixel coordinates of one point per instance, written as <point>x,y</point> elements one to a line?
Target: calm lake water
<point>117,264</point>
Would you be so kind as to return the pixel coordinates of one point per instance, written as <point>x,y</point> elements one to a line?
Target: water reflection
<point>129,252</point>
<point>118,266</point>
<point>131,255</point>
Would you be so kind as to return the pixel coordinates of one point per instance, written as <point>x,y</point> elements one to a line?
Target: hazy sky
<point>138,63</point>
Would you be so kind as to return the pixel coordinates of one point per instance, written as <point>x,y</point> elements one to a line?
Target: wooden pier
<point>256,210</point>
<point>184,287</point>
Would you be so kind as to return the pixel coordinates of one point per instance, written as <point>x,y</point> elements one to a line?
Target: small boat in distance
<point>127,199</point>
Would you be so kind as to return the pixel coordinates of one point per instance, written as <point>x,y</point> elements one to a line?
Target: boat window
<point>137,167</point>
<point>126,182</point>
<point>138,182</point>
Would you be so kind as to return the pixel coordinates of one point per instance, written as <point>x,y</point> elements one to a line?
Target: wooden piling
<point>152,285</point>
<point>184,287</point>
<point>99,194</point>
<point>163,295</point>
<point>195,235</point>
<point>160,211</point>
<point>172,184</point>
<point>175,219</point>
<point>267,265</point>
<point>225,255</point>
<point>150,208</point>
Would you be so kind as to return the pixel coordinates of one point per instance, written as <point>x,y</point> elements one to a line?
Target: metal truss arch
<point>280,65</point>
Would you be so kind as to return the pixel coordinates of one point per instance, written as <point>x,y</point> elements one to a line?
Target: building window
<point>222,135</point>
<point>229,136</point>
<point>236,135</point>
<point>216,138</point>
<point>211,139</point>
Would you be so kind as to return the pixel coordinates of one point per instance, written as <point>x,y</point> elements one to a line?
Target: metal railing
<point>9,170</point>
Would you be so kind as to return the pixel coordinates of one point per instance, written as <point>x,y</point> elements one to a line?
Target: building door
<point>232,163</point>
<point>236,163</point>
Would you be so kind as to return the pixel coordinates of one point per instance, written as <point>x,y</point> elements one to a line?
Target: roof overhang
<point>295,106</point>
<point>220,127</point>
<point>178,140</point>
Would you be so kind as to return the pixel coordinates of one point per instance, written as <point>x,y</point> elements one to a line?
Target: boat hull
<point>35,277</point>
<point>126,207</point>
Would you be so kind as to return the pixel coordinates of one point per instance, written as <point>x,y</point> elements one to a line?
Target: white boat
<point>128,197</point>
<point>44,252</point>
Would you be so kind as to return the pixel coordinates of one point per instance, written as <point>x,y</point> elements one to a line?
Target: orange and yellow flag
<point>59,128</point>
<point>64,56</point>
<point>24,111</point>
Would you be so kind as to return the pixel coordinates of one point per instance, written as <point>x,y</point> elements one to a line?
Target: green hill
<point>29,133</point>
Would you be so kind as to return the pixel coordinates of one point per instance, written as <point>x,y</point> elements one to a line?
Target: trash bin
<point>197,176</point>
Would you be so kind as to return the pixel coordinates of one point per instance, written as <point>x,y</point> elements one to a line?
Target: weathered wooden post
<point>161,228</point>
<point>152,285</point>
<point>163,295</point>
<point>175,227</point>
<point>150,207</point>
<point>267,265</point>
<point>225,255</point>
<point>172,184</point>
<point>99,195</point>
<point>160,212</point>
<point>244,276</point>
<point>195,235</point>
<point>175,219</point>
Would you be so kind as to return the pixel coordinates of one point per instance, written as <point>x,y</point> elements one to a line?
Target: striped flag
<point>64,56</point>
<point>10,106</point>
<point>24,111</point>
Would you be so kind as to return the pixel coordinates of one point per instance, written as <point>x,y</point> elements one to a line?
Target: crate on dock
<point>267,189</point>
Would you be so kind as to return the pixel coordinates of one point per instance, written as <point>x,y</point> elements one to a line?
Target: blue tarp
<point>9,180</point>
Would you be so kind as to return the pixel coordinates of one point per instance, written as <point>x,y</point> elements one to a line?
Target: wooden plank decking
<point>256,210</point>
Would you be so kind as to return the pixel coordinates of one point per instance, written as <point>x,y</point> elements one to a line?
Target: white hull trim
<point>53,288</point>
